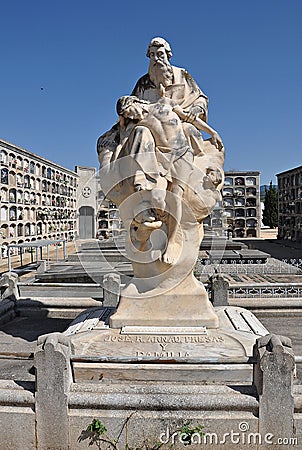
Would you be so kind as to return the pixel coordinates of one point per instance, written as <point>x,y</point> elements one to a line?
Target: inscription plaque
<point>163,330</point>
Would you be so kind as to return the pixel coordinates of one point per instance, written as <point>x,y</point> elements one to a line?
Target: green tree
<point>270,212</point>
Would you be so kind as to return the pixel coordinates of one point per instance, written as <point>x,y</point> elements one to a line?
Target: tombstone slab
<point>130,352</point>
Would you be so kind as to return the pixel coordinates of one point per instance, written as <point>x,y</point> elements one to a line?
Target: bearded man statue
<point>165,179</point>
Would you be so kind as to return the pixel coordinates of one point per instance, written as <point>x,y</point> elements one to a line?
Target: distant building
<point>290,204</point>
<point>98,216</point>
<point>239,213</point>
<point>109,223</point>
<point>38,198</point>
<point>87,205</point>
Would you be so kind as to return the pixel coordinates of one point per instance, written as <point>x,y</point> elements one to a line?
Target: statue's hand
<point>134,112</point>
<point>130,107</point>
<point>108,140</point>
<point>217,141</point>
<point>194,113</point>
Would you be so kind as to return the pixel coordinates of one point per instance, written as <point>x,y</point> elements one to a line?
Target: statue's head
<point>159,42</point>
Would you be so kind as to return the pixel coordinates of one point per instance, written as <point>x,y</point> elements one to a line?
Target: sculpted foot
<point>153,225</point>
<point>171,254</point>
<point>145,216</point>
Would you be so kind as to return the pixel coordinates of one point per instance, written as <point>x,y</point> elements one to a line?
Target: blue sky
<point>245,55</point>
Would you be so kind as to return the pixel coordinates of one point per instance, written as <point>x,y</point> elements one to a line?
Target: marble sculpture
<point>165,178</point>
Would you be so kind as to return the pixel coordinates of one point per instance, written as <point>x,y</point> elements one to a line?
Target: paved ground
<point>20,336</point>
<point>279,249</point>
<point>289,326</point>
<point>285,326</point>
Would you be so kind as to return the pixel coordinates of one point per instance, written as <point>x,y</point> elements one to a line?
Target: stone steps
<point>98,256</point>
<point>63,290</point>
<point>84,274</point>
<point>54,307</point>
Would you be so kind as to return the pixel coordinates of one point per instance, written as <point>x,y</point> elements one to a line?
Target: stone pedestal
<point>153,353</point>
<point>185,305</point>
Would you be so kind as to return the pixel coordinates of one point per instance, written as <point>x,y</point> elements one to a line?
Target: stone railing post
<point>273,378</point>
<point>53,380</point>
<point>111,289</point>
<point>9,282</point>
<point>219,286</point>
<point>42,266</point>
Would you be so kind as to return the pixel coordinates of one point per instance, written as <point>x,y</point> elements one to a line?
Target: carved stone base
<point>185,305</point>
<point>167,353</point>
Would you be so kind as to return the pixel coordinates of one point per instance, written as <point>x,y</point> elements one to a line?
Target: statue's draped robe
<point>184,91</point>
<point>153,161</point>
<point>137,142</point>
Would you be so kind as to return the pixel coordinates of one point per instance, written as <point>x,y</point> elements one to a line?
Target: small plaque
<point>163,330</point>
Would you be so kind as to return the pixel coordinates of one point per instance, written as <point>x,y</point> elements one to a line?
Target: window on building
<point>228,181</point>
<point>20,229</point>
<point>239,212</point>
<point>239,192</point>
<point>4,176</point>
<point>250,181</point>
<point>4,195</point>
<point>12,195</point>
<point>251,212</point>
<point>239,201</point>
<point>4,213</point>
<point>227,192</point>
<point>26,181</point>
<point>12,213</point>
<point>239,181</point>
<point>251,191</point>
<point>3,157</point>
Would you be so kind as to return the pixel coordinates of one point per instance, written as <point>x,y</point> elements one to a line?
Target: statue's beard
<point>160,73</point>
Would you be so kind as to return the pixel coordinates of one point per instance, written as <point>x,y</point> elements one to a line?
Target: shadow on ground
<point>30,328</point>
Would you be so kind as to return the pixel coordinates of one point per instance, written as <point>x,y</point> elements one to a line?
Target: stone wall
<point>55,412</point>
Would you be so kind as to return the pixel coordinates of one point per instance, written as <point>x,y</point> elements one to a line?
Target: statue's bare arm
<point>200,125</point>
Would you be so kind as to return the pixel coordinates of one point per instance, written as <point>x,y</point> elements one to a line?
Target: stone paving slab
<point>278,249</point>
<point>19,337</point>
<point>255,254</point>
